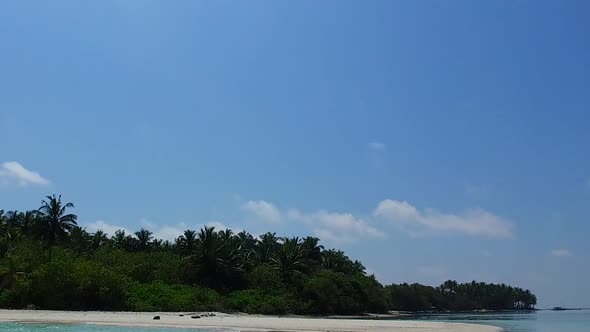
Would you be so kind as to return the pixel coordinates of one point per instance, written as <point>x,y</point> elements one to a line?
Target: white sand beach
<point>236,322</point>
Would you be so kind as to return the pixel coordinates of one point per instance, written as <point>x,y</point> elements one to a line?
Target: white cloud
<point>474,222</point>
<point>398,211</point>
<point>377,146</point>
<point>263,211</point>
<point>333,225</point>
<point>13,171</point>
<point>561,253</point>
<point>219,226</point>
<point>107,228</point>
<point>170,232</point>
<point>329,236</point>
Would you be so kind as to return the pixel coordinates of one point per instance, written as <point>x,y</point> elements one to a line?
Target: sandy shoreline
<point>235,322</point>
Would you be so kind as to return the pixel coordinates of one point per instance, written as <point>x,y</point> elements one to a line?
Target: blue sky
<point>430,139</point>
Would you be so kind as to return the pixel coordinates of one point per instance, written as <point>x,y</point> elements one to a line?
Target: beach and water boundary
<point>236,322</point>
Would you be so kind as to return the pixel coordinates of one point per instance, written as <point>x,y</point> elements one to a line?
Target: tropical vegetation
<point>49,261</point>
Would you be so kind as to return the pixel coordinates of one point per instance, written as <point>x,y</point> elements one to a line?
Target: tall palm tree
<point>215,263</point>
<point>187,242</point>
<point>246,240</point>
<point>266,247</point>
<point>55,223</point>
<point>120,240</point>
<point>144,237</point>
<point>290,258</point>
<point>312,248</point>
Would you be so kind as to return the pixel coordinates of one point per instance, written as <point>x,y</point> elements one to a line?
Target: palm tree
<point>144,237</point>
<point>79,240</point>
<point>9,274</point>
<point>246,240</point>
<point>99,239</point>
<point>187,241</point>
<point>55,223</point>
<point>337,261</point>
<point>290,258</point>
<point>215,263</point>
<point>312,248</point>
<point>266,247</point>
<point>120,240</point>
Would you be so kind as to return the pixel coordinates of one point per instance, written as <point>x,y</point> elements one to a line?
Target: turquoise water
<point>537,321</point>
<point>21,327</point>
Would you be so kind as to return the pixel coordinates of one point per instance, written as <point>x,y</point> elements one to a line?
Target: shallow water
<point>21,327</point>
<point>537,321</point>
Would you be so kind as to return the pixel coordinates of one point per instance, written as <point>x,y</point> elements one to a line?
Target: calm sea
<point>19,327</point>
<point>537,321</point>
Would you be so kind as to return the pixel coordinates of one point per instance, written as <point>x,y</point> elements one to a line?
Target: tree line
<point>47,260</point>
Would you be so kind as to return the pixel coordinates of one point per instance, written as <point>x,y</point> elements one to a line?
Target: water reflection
<point>533,321</point>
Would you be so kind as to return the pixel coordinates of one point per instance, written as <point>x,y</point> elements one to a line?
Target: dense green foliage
<point>459,297</point>
<point>47,260</point>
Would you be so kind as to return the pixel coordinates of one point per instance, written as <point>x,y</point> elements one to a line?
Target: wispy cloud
<point>377,153</point>
<point>13,171</point>
<point>561,253</point>
<point>263,211</point>
<point>109,229</point>
<point>377,146</point>
<point>474,222</point>
<point>336,226</point>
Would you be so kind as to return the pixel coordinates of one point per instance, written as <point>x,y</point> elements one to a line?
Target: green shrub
<point>208,300</point>
<point>158,296</point>
<point>76,284</point>
<point>261,302</point>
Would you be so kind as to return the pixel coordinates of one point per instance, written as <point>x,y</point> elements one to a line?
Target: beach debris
<point>181,315</point>
<point>156,317</point>
<point>195,316</point>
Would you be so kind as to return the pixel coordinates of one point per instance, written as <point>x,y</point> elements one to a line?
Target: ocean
<point>535,321</point>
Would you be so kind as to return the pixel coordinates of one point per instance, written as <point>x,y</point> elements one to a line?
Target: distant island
<point>48,261</point>
<point>566,309</point>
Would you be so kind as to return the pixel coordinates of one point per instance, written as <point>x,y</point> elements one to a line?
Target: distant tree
<point>54,223</point>
<point>80,240</point>
<point>187,242</point>
<point>144,237</point>
<point>99,239</point>
<point>312,250</point>
<point>290,258</point>
<point>266,247</point>
<point>10,275</point>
